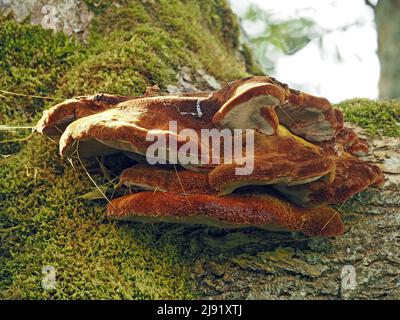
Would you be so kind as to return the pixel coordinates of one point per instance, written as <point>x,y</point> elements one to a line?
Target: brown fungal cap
<point>251,107</point>
<point>228,211</point>
<point>301,149</point>
<point>56,119</point>
<point>351,176</point>
<point>147,177</point>
<point>278,159</point>
<point>125,127</point>
<point>346,140</point>
<point>310,117</point>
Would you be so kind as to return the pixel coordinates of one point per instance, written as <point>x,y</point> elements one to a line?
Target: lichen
<point>376,117</point>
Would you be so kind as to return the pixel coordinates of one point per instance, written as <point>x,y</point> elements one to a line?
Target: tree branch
<point>370,4</point>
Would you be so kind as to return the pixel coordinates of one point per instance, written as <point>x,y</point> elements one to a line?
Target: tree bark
<point>364,263</point>
<point>142,260</point>
<point>387,17</point>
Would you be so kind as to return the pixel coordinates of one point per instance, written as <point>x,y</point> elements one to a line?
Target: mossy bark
<point>45,220</point>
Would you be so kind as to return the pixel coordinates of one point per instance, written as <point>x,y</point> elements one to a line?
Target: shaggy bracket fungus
<point>303,157</point>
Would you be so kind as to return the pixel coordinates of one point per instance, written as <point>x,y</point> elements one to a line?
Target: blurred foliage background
<point>273,37</point>
<point>276,38</point>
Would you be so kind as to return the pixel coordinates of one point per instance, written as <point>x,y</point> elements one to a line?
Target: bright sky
<point>317,72</point>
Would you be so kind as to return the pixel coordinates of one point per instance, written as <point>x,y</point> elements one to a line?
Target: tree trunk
<point>45,220</point>
<point>387,17</point>
<point>364,263</point>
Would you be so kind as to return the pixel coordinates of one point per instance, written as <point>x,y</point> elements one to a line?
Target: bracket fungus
<point>303,158</point>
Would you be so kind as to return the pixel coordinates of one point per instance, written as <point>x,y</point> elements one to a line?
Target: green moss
<point>98,6</point>
<point>32,60</point>
<point>376,117</point>
<point>43,220</point>
<point>147,43</point>
<point>93,257</point>
<point>252,66</point>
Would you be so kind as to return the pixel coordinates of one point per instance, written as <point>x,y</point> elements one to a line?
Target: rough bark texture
<point>47,212</point>
<point>257,265</point>
<point>68,16</point>
<point>387,17</point>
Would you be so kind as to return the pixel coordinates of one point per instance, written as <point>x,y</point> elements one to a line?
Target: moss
<point>99,6</point>
<point>153,40</point>
<point>252,66</point>
<point>376,117</point>
<point>32,60</point>
<point>51,226</point>
<point>221,21</point>
<point>43,219</point>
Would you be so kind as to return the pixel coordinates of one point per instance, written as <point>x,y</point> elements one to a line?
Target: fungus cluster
<point>303,158</point>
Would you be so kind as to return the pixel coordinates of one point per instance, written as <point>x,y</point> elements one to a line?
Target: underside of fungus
<point>231,211</point>
<point>303,158</point>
